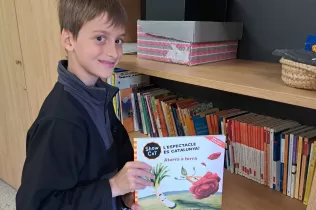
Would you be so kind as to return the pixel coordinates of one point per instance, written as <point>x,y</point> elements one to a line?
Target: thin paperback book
<point>188,172</point>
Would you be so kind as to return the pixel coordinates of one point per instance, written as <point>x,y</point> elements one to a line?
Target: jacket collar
<point>101,93</point>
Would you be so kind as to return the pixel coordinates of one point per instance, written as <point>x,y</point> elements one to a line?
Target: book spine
<point>240,137</point>
<point>285,169</point>
<point>231,146</point>
<point>238,147</point>
<point>298,168</point>
<point>136,128</point>
<point>282,145</point>
<point>158,118</point>
<point>165,112</point>
<point>209,124</point>
<point>146,117</point>
<point>304,169</point>
<point>176,121</point>
<point>142,113</point>
<point>293,167</point>
<point>262,142</point>
<point>258,155</point>
<point>245,152</point>
<point>289,173</point>
<point>272,166</point>
<point>310,174</point>
<point>266,176</point>
<point>276,159</point>
<point>254,147</point>
<point>137,113</point>
<point>172,120</point>
<point>151,119</point>
<point>247,149</point>
<point>126,109</point>
<point>252,153</point>
<point>249,143</point>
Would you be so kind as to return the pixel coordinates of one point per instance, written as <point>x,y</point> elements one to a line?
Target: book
<point>188,171</point>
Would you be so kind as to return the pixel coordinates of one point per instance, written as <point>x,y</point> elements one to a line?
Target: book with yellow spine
<point>311,170</point>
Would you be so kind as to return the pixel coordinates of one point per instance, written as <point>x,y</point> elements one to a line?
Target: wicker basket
<point>298,75</point>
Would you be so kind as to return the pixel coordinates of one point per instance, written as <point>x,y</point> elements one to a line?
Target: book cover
<point>188,172</point>
<point>126,109</point>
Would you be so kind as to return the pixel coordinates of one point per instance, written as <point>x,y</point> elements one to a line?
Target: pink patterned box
<point>183,45</point>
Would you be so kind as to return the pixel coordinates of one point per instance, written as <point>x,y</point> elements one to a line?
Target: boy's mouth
<point>109,64</point>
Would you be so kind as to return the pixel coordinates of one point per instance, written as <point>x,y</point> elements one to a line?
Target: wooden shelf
<point>240,193</point>
<point>251,78</point>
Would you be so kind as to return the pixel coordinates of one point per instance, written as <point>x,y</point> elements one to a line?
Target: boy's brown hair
<point>73,14</point>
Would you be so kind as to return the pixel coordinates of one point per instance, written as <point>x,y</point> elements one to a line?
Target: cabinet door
<point>14,107</point>
<point>41,47</point>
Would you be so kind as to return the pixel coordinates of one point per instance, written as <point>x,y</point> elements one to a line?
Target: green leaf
<point>184,172</point>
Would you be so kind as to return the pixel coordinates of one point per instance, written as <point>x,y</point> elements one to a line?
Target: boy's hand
<point>129,178</point>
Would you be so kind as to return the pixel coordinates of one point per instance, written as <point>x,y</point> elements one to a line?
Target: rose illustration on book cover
<point>202,186</point>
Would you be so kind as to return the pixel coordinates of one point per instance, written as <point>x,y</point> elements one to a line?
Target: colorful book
<point>126,109</point>
<point>188,172</point>
<point>310,174</point>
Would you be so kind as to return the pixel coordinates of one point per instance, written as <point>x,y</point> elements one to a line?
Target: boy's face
<point>96,51</point>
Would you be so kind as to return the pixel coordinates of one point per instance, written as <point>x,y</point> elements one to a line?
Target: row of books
<point>278,153</point>
<point>125,80</point>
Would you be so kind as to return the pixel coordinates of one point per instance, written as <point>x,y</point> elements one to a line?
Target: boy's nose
<point>111,51</point>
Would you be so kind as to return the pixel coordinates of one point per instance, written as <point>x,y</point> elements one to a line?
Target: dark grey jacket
<point>74,146</point>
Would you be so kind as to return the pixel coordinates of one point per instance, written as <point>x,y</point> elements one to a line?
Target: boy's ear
<point>67,40</point>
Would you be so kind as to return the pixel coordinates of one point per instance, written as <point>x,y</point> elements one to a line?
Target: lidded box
<point>188,42</point>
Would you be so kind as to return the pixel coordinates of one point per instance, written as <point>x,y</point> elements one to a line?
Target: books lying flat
<point>188,172</point>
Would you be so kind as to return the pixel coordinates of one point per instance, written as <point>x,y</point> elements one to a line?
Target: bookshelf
<point>251,78</point>
<point>243,194</point>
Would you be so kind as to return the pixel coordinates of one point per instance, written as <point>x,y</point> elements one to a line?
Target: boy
<point>79,156</point>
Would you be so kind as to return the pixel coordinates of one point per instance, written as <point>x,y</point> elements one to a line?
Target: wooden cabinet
<point>29,51</point>
<point>41,47</point>
<point>14,103</point>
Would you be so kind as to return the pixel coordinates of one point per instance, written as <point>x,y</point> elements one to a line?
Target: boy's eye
<point>100,38</point>
<point>119,41</point>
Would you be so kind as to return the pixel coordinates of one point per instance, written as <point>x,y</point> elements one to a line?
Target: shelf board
<point>251,78</point>
<point>240,193</point>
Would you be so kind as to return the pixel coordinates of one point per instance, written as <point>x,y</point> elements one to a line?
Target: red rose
<point>206,186</point>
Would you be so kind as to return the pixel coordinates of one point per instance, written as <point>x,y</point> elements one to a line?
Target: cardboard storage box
<point>188,42</point>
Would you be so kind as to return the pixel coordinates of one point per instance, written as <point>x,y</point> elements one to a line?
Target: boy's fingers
<point>138,164</point>
<point>142,173</point>
<point>137,186</point>
<point>144,182</point>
